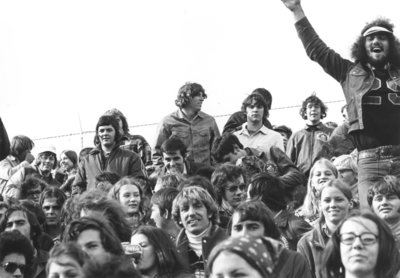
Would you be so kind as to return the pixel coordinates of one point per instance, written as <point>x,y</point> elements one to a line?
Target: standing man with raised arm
<point>371,85</point>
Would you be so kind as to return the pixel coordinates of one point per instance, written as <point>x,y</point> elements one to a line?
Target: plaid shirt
<point>139,145</point>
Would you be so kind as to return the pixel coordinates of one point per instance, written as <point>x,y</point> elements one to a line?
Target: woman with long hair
<point>321,172</point>
<point>362,246</point>
<point>334,205</point>
<point>128,192</point>
<point>159,257</point>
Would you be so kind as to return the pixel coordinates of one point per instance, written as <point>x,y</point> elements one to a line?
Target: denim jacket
<point>197,135</point>
<point>356,79</point>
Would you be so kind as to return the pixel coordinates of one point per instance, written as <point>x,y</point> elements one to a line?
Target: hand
<point>29,158</point>
<point>291,4</point>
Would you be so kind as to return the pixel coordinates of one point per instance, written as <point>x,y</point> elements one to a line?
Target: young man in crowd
<point>230,186</point>
<point>107,156</point>
<point>237,119</point>
<point>195,128</point>
<point>228,148</point>
<point>20,156</point>
<point>95,236</point>
<point>309,144</point>
<point>135,143</point>
<point>253,133</point>
<point>371,86</point>
<point>197,213</point>
<point>20,219</point>
<point>161,211</point>
<point>42,168</point>
<point>255,219</point>
<point>384,199</point>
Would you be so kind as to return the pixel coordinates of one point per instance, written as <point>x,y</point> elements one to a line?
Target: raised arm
<point>295,7</point>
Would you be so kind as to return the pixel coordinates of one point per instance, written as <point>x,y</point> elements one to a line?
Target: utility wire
<point>152,124</point>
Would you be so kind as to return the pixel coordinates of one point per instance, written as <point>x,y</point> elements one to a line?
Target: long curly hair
<point>358,51</point>
<point>187,92</point>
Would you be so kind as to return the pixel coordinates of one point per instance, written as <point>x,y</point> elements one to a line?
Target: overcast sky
<point>63,63</point>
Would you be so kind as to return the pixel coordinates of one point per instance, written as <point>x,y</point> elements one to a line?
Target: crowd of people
<point>256,200</point>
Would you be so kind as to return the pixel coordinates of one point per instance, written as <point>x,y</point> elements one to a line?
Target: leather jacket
<point>355,78</point>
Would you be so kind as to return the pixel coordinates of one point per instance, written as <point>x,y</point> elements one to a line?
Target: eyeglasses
<point>365,238</point>
<point>11,267</point>
<point>234,188</point>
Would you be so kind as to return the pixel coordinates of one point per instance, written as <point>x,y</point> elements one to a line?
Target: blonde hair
<point>310,204</point>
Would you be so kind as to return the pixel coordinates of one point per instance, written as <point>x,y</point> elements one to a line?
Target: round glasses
<point>365,238</point>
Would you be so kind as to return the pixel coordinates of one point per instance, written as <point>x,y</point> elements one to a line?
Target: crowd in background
<point>255,200</point>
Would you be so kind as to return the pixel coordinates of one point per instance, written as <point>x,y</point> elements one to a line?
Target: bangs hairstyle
<point>187,92</point>
<point>358,51</point>
<point>104,121</point>
<point>118,114</point>
<point>224,145</point>
<point>19,144</point>
<point>256,210</point>
<point>313,99</point>
<point>68,249</point>
<point>37,161</point>
<point>265,94</point>
<point>71,156</point>
<point>310,204</point>
<point>108,237</point>
<point>223,174</point>
<point>115,190</point>
<point>388,256</point>
<point>255,99</point>
<point>194,194</point>
<point>168,260</point>
<point>386,185</point>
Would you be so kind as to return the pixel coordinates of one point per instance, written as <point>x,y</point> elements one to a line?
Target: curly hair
<point>316,101</point>
<point>358,51</point>
<point>223,174</point>
<point>187,92</point>
<point>15,242</point>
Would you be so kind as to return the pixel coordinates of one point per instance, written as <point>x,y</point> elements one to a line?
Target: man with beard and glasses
<point>108,156</point>
<point>197,213</point>
<point>254,134</point>
<point>371,86</point>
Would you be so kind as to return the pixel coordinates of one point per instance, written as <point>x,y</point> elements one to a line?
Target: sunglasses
<point>234,188</point>
<point>11,267</point>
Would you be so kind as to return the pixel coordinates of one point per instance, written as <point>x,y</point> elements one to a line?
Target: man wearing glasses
<point>16,255</point>
<point>229,183</point>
